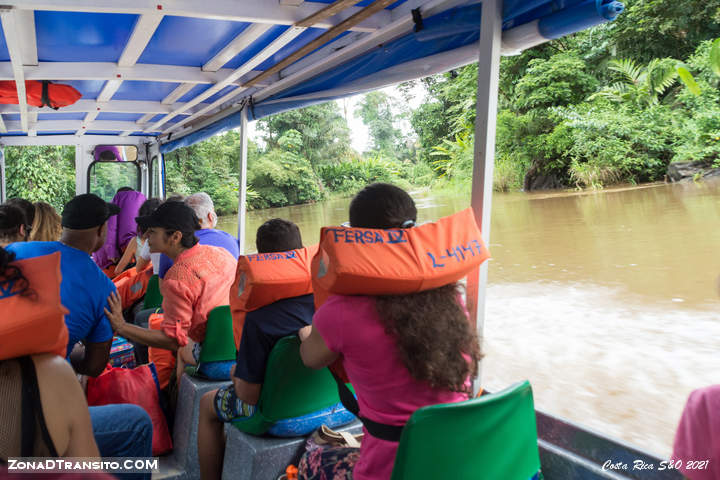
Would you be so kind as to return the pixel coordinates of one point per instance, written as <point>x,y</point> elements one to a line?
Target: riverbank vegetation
<point>615,104</point>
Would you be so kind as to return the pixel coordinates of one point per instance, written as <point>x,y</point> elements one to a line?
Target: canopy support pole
<point>242,190</point>
<point>484,158</point>
<point>3,192</point>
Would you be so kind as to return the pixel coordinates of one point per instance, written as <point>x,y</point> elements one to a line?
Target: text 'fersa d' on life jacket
<point>365,261</point>
<point>265,278</point>
<point>35,322</point>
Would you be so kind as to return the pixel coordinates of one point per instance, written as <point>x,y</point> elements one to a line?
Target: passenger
<point>198,281</point>
<point>262,330</point>
<point>400,352</point>
<point>697,440</point>
<point>63,411</point>
<point>121,229</point>
<point>26,206</point>
<point>203,206</point>
<point>84,289</point>
<point>13,226</point>
<point>47,226</point>
<point>139,249</point>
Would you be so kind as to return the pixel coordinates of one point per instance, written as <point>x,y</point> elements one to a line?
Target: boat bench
<point>246,456</point>
<point>182,463</point>
<point>252,457</point>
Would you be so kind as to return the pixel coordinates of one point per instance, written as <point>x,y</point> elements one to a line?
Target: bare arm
<point>127,256</point>
<point>313,349</point>
<point>145,336</point>
<point>64,408</point>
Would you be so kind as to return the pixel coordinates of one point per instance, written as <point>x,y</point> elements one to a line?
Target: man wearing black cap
<point>120,430</point>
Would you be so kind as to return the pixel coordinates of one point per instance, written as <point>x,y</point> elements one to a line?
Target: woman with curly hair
<point>46,225</point>
<point>400,352</point>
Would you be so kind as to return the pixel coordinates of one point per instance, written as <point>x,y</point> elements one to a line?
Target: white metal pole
<point>483,165</point>
<point>3,191</point>
<point>80,169</point>
<point>242,190</point>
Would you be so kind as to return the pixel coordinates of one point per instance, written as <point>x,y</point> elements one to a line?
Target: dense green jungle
<point>614,104</point>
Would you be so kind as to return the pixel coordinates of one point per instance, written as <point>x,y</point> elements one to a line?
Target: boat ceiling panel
<point>82,37</point>
<point>139,90</point>
<point>189,41</point>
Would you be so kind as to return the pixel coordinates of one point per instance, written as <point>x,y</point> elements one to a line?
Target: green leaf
<point>688,80</point>
<point>715,57</point>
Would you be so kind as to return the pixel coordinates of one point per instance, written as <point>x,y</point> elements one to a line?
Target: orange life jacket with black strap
<point>33,322</point>
<point>132,284</point>
<point>265,278</point>
<point>40,93</point>
<point>363,261</point>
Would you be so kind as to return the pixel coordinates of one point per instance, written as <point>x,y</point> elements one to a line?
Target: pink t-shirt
<point>697,440</point>
<point>386,392</point>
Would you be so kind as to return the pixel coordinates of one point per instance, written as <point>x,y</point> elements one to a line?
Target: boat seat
<point>218,349</point>
<point>184,457</point>
<point>291,390</point>
<point>251,457</point>
<point>493,437</point>
<point>153,297</point>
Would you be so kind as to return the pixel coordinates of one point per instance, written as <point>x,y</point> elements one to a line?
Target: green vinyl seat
<point>219,343</point>
<point>153,297</point>
<point>493,437</point>
<point>290,390</point>
<point>218,353</point>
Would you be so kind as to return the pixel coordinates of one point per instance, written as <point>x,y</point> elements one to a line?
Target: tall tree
<point>377,111</point>
<point>324,131</point>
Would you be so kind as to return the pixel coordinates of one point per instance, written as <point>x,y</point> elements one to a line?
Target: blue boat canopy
<point>181,71</point>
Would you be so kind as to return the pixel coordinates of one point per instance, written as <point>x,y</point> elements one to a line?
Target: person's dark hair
<point>431,330</point>
<point>278,235</point>
<point>11,275</point>
<point>11,217</point>
<point>188,239</point>
<point>381,205</point>
<point>124,189</point>
<point>26,207</point>
<point>107,156</point>
<point>175,198</point>
<point>147,208</point>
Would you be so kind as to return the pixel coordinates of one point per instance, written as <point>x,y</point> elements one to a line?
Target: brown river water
<point>605,300</point>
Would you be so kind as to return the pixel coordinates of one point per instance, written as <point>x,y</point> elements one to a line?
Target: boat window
<point>115,167</point>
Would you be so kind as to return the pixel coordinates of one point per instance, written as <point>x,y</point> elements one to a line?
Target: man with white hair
<point>203,206</point>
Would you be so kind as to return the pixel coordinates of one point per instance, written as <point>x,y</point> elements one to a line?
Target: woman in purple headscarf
<point>121,227</point>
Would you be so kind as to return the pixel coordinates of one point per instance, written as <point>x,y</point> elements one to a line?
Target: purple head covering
<point>698,436</point>
<point>121,227</point>
<point>108,148</point>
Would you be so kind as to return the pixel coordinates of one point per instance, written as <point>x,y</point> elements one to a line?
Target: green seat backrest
<point>153,297</point>
<point>290,389</point>
<point>219,343</point>
<point>493,437</point>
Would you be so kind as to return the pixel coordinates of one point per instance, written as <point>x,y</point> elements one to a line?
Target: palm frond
<point>627,68</point>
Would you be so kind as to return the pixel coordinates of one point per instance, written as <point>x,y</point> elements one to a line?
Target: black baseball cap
<point>174,216</point>
<point>87,211</point>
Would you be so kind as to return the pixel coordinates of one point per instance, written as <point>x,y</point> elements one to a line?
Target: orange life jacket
<point>265,278</point>
<point>33,323</point>
<point>131,284</point>
<point>364,261</point>
<point>163,359</point>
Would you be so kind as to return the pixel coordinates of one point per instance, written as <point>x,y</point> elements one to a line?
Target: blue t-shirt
<point>264,327</point>
<point>206,236</point>
<point>84,290</point>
